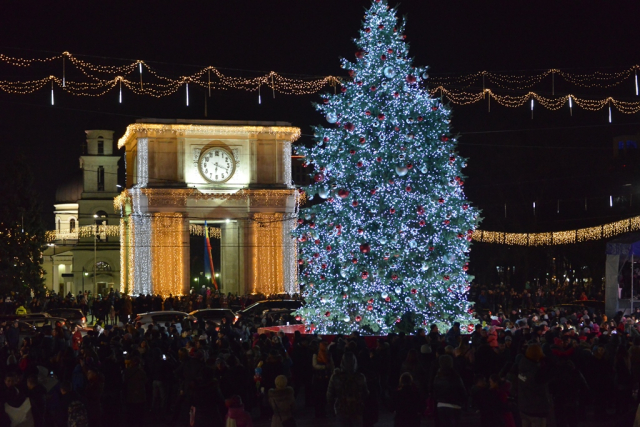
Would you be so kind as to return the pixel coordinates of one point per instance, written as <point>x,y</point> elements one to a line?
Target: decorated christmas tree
<point>387,250</point>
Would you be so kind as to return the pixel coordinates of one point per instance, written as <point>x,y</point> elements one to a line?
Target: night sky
<point>512,158</point>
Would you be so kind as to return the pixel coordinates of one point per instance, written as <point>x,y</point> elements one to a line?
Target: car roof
<point>157,313</point>
<point>210,310</point>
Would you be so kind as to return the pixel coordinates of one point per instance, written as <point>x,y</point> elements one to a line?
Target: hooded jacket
<point>533,389</point>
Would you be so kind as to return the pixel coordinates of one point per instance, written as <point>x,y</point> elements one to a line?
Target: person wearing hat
<point>347,391</point>
<point>534,399</point>
<point>236,413</point>
<point>282,402</point>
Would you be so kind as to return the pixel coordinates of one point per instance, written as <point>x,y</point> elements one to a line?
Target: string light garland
<point>212,78</point>
<point>290,133</point>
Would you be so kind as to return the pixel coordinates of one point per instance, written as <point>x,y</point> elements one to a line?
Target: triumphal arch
<point>234,175</point>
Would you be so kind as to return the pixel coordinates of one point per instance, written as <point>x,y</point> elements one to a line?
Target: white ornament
<point>424,169</point>
<point>389,72</point>
<point>323,193</point>
<point>346,318</point>
<point>398,290</point>
<point>402,170</point>
<point>382,240</point>
<point>424,267</point>
<point>407,299</point>
<point>413,243</point>
<point>384,295</point>
<point>344,274</point>
<point>332,118</point>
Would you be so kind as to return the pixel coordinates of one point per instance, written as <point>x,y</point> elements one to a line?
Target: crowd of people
<point>514,368</point>
<point>501,297</point>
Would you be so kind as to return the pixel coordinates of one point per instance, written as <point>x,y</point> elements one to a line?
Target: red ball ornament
<point>351,73</point>
<point>298,318</point>
<point>396,94</point>
<point>322,277</point>
<point>362,140</point>
<point>465,268</point>
<point>452,159</point>
<point>378,159</point>
<point>398,320</point>
<point>434,108</point>
<point>300,220</point>
<point>408,189</point>
<point>389,51</point>
<point>387,299</point>
<point>368,113</point>
<point>303,238</point>
<point>391,182</point>
<point>330,200</point>
<point>365,248</point>
<point>461,182</point>
<point>373,88</point>
<point>441,200</point>
<point>312,225</point>
<point>329,248</point>
<point>359,83</point>
<point>370,300</point>
<point>444,138</point>
<point>392,211</point>
<point>355,260</point>
<point>359,54</point>
<point>369,307</point>
<point>352,152</point>
<point>431,248</point>
<point>360,231</point>
<point>380,27</point>
<point>420,118</point>
<point>470,238</point>
<point>358,318</point>
<point>409,166</point>
<point>359,164</point>
<point>354,203</point>
<point>460,235</point>
<point>469,231</point>
<point>457,178</point>
<point>328,313</point>
<point>380,116</point>
<point>383,57</point>
<point>317,242</point>
<point>411,78</point>
<point>364,275</point>
<point>339,227</point>
<point>394,277</point>
<point>343,89</point>
<point>367,30</point>
<point>300,262</point>
<point>344,296</point>
<point>325,139</point>
<point>414,291</point>
<point>447,222</point>
<point>323,265</point>
<point>349,127</point>
<point>373,192</point>
<point>318,177</point>
<point>422,223</point>
<point>325,101</point>
<point>445,278</point>
<point>316,255</point>
<point>420,210</point>
<point>465,207</point>
<point>342,193</point>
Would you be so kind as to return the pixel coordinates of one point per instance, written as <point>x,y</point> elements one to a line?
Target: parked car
<point>74,315</point>
<point>33,316</point>
<point>275,314</point>
<point>259,307</point>
<point>213,314</point>
<point>42,322</point>
<point>162,317</point>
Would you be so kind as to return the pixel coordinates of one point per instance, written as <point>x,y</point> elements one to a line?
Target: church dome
<point>71,190</point>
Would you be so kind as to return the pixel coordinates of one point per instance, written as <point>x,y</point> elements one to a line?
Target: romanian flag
<point>208,266</point>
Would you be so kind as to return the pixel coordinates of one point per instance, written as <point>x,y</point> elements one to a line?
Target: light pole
<point>95,254</point>
<point>84,273</point>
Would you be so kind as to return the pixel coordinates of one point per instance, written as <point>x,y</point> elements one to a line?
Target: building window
<point>100,178</point>
<point>72,225</point>
<point>103,266</point>
<point>100,146</point>
<point>101,220</point>
<point>59,226</point>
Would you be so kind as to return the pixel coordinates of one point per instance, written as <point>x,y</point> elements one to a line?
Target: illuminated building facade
<point>234,175</point>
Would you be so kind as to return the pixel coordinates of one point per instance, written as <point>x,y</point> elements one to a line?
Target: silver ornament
<point>389,72</point>
<point>323,193</point>
<point>332,118</point>
<point>402,170</point>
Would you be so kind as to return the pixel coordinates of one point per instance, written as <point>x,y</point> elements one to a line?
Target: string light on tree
<point>392,184</point>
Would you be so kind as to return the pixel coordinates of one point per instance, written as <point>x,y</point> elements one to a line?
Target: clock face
<point>216,164</point>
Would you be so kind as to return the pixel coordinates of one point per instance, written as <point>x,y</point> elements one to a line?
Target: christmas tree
<point>387,249</point>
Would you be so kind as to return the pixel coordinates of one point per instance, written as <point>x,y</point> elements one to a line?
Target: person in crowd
<point>407,403</point>
<point>323,367</point>
<point>282,401</point>
<point>347,391</point>
<point>449,393</point>
<point>534,376</point>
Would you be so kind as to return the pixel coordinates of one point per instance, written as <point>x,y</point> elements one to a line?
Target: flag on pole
<point>208,259</point>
